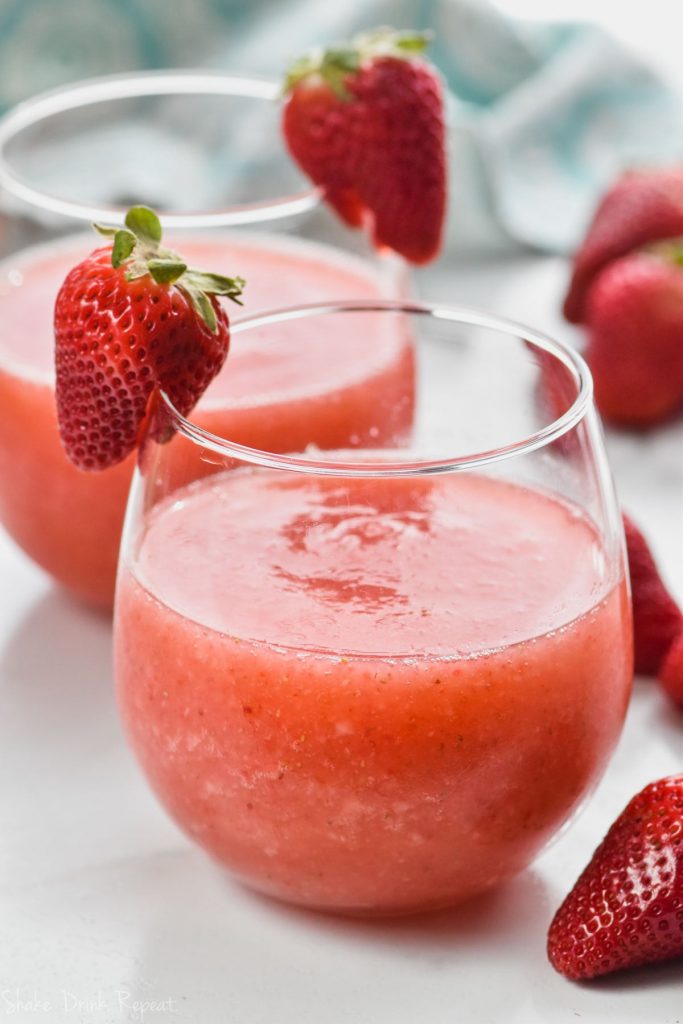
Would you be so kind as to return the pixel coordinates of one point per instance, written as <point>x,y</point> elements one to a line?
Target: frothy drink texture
<point>370,694</point>
<point>70,522</point>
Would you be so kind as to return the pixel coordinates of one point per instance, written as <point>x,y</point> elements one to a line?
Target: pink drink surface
<point>372,695</point>
<point>70,522</point>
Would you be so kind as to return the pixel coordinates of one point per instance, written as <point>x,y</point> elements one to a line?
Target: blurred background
<point>547,100</point>
<point>547,103</point>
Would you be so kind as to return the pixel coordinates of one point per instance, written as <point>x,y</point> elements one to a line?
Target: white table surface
<point>104,906</point>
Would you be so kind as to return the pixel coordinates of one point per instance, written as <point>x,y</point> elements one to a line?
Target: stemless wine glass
<point>203,148</point>
<point>379,681</point>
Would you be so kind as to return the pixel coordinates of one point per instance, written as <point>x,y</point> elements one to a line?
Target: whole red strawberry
<point>671,671</point>
<point>132,317</point>
<point>641,207</point>
<point>657,618</point>
<point>634,314</point>
<point>365,122</point>
<point>626,909</point>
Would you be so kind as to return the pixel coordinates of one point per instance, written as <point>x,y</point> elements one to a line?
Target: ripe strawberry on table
<point>634,319</point>
<point>365,122</point>
<point>641,207</point>
<point>130,318</point>
<point>657,619</point>
<point>626,909</point>
<point>671,671</point>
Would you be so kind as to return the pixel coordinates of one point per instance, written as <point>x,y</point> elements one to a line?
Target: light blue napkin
<point>542,117</point>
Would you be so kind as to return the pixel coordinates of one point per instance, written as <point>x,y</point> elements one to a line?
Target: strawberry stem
<point>138,247</point>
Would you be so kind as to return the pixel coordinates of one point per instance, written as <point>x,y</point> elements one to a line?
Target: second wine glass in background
<point>206,149</point>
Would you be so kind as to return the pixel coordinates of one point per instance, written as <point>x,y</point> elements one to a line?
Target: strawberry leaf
<point>670,250</point>
<point>342,58</point>
<point>124,243</point>
<point>216,284</point>
<point>166,271</point>
<point>300,69</point>
<point>145,225</point>
<point>413,42</point>
<point>203,306</point>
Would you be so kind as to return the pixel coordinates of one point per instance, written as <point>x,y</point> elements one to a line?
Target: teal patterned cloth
<point>541,117</point>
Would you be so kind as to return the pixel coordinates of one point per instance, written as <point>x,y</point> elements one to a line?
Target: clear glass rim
<point>320,465</point>
<point>129,86</point>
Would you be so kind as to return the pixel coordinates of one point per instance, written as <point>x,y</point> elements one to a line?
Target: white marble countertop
<point>107,914</point>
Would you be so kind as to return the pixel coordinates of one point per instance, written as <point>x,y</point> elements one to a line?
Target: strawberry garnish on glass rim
<point>129,319</point>
<point>365,122</point>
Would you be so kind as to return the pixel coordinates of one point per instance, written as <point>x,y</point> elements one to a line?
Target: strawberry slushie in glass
<point>70,522</point>
<point>380,681</point>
